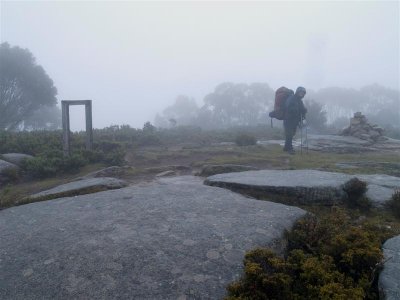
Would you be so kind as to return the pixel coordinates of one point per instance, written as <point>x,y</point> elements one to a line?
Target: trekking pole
<point>306,139</point>
<point>301,136</point>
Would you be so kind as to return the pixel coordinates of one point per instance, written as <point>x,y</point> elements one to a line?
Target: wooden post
<point>65,125</point>
<point>89,126</point>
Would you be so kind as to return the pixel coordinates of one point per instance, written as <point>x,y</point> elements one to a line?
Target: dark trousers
<point>290,131</point>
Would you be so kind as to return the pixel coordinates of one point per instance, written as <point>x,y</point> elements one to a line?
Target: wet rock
<point>302,187</point>
<point>80,187</point>
<point>113,171</point>
<point>173,239</point>
<point>351,144</point>
<point>389,278</point>
<point>166,173</point>
<point>176,168</point>
<point>209,170</point>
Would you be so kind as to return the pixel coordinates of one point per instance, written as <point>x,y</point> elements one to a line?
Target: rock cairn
<point>360,128</point>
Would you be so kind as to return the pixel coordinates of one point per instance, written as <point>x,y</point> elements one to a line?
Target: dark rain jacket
<point>295,110</point>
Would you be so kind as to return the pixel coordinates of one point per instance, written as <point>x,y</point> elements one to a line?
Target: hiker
<point>294,114</point>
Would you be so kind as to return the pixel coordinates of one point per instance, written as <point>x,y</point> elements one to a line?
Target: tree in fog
<point>380,104</point>
<point>48,118</point>
<point>237,104</point>
<point>383,105</point>
<point>316,115</point>
<point>183,112</point>
<point>339,102</point>
<point>25,88</point>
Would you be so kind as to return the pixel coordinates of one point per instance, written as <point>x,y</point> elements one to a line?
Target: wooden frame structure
<point>66,128</point>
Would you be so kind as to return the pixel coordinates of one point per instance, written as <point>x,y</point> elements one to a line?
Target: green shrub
<point>11,174</point>
<point>116,158</point>
<point>40,167</point>
<point>356,190</point>
<point>394,203</point>
<point>266,277</point>
<point>327,258</point>
<point>52,164</point>
<point>245,140</point>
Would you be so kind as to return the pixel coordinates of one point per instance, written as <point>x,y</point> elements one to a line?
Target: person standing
<point>295,112</point>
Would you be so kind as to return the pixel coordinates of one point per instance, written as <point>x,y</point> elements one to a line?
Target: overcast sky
<point>133,58</point>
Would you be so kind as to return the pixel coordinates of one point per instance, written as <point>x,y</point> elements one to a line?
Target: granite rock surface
<point>171,239</point>
<point>389,278</point>
<point>80,187</point>
<point>302,187</point>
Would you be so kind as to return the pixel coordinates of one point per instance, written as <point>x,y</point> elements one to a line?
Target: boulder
<point>15,158</point>
<point>389,278</point>
<point>209,170</point>
<point>80,187</point>
<point>302,187</point>
<point>172,239</point>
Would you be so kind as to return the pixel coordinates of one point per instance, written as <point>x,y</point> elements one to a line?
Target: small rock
<point>27,272</point>
<point>166,173</point>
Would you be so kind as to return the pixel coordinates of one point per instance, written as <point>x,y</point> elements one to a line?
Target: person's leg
<point>287,136</point>
<point>291,131</point>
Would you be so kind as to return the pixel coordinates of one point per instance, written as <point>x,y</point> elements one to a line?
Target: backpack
<point>281,95</point>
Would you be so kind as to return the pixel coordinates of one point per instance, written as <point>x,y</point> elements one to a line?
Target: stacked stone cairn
<point>360,128</point>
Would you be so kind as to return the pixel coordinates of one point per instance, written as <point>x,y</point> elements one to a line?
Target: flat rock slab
<point>350,144</point>
<point>304,186</point>
<point>389,278</point>
<point>80,187</point>
<point>113,171</point>
<point>172,239</point>
<point>208,170</point>
<point>339,144</point>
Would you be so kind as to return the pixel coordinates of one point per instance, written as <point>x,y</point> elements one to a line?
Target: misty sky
<point>133,58</point>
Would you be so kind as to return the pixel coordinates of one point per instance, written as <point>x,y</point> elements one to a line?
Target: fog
<point>134,58</point>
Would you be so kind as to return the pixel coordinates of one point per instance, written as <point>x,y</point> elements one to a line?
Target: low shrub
<point>52,164</point>
<point>394,204</point>
<point>327,258</point>
<point>10,174</point>
<point>356,189</point>
<point>245,140</point>
<point>115,158</point>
